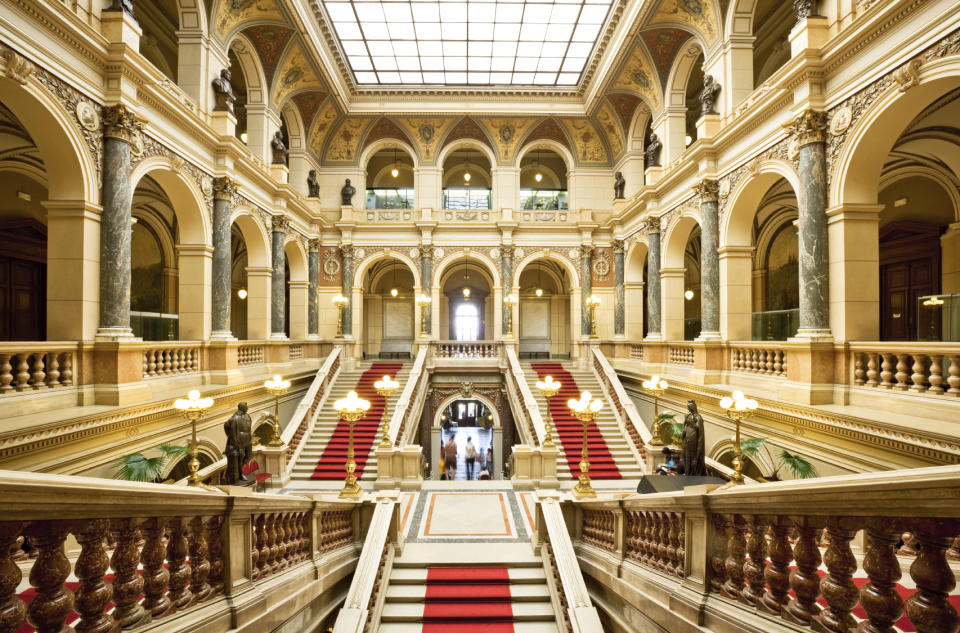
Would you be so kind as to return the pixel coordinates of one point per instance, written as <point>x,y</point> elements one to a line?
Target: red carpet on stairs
<point>467,599</point>
<point>333,462</point>
<point>570,429</point>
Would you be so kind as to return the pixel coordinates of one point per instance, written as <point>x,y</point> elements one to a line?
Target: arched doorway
<point>389,310</point>
<point>390,179</point>
<point>543,180</point>
<point>545,322</point>
<point>691,286</point>
<point>154,281</point>
<point>471,421</point>
<point>467,307</point>
<point>467,179</point>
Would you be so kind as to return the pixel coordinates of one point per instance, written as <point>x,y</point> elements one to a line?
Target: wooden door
<point>22,299</point>
<point>909,269</point>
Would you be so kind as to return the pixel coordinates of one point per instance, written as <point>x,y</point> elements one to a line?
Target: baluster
<point>909,545</point>
<point>886,371</point>
<point>254,550</point>
<point>669,540</point>
<point>721,525</point>
<point>767,361</point>
<point>902,374</point>
<point>778,362</point>
<point>663,541</point>
<point>151,363</point>
<point>179,362</point>
<point>127,583</point>
<point>6,375</point>
<point>93,594</point>
<point>180,570</point>
<point>155,575</point>
<point>303,543</point>
<point>199,561</point>
<point>12,608</point>
<point>928,608</point>
<point>872,370</point>
<point>777,573</point>
<point>23,373</point>
<point>954,552</point>
<point>804,580</point>
<point>738,360</point>
<point>783,363</point>
<point>262,541</point>
<point>879,597</point>
<point>39,375</point>
<point>53,370</point>
<point>953,380</point>
<point>837,586</point>
<point>936,375</point>
<point>753,569</point>
<point>680,552</point>
<point>53,601</point>
<point>736,550</point>
<point>858,372</point>
<point>283,536</point>
<point>918,377</point>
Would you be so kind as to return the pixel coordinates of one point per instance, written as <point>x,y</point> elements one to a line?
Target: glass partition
<point>939,318</point>
<point>545,199</point>
<point>775,325</point>
<point>463,198</point>
<point>397,198</point>
<point>155,326</point>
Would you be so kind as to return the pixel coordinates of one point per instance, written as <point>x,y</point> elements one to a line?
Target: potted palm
<point>799,467</point>
<point>139,467</point>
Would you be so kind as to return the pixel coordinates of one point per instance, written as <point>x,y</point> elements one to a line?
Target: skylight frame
<point>476,53</point>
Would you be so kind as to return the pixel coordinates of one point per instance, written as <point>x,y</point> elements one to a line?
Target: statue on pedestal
<point>239,445</point>
<point>279,149</point>
<point>313,185</point>
<point>618,184</point>
<point>223,91</point>
<point>694,443</point>
<point>653,150</point>
<point>708,96</point>
<point>346,194</point>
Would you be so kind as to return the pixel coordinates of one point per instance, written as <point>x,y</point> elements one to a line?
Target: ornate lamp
<point>655,387</point>
<point>549,388</point>
<point>738,408</point>
<point>385,388</point>
<point>423,301</point>
<point>277,386</point>
<point>510,300</point>
<point>341,302</point>
<point>351,409</point>
<point>592,302</point>
<point>192,408</point>
<point>585,409</point>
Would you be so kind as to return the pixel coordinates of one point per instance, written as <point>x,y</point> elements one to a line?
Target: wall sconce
<point>688,295</point>
<point>242,293</point>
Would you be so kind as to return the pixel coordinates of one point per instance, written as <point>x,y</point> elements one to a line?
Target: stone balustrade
<point>680,354</point>
<point>522,398</point>
<point>623,407</point>
<point>107,555</point>
<point>169,359</point>
<point>250,354</point>
<point>36,366</point>
<point>782,554</point>
<point>466,349</point>
<point>932,369</point>
<point>296,351</point>
<point>635,352</point>
<point>761,359</point>
<point>410,403</point>
<point>305,416</point>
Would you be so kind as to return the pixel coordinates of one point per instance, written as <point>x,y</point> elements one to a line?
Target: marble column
<point>586,286</point>
<point>278,279</point>
<point>426,276</point>
<point>653,278</point>
<point>346,286</point>
<point>709,259</point>
<point>120,129</point>
<point>223,191</point>
<point>313,273</point>
<point>619,307</point>
<point>506,276</point>
<point>809,130</point>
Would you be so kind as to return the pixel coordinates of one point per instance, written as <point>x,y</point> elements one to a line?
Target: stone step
<point>518,627</point>
<point>522,611</point>
<point>518,593</point>
<point>418,575</point>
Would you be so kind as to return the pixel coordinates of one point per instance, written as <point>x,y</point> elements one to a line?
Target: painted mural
<point>426,133</point>
<point>608,123</point>
<point>321,128</point>
<point>698,15</point>
<point>232,13</point>
<point>269,40</point>
<point>587,143</point>
<point>506,133</point>
<point>295,74</point>
<point>663,45</point>
<point>625,105</point>
<point>346,140</point>
<point>638,76</point>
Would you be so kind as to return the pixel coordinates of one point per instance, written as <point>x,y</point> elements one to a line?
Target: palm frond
<point>676,431</point>
<point>800,467</point>
<point>751,446</point>
<point>665,416</point>
<point>173,450</point>
<point>138,467</point>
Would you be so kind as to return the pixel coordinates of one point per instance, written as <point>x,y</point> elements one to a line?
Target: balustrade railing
<point>916,367</point>
<point>250,355</point>
<point>169,359</point>
<point>36,366</point>
<point>519,392</point>
<point>636,351</point>
<point>623,407</point>
<point>466,349</point>
<point>296,351</point>
<point>410,403</point>
<point>680,354</point>
<point>305,416</point>
<point>763,360</point>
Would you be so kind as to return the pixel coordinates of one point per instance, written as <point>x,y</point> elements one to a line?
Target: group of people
<point>472,457</point>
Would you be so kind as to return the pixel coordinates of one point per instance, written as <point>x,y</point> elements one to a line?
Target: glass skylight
<point>456,42</point>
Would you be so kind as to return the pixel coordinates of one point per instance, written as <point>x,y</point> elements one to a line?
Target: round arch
<point>296,134</point>
<point>642,116</point>
<point>205,448</point>
<point>469,143</point>
<point>487,265</point>
<point>560,149</point>
<point>722,448</point>
<point>388,143</point>
<point>253,72</point>
<point>736,226</point>
<point>675,239</point>
<point>922,171</point>
<point>635,261</point>
<point>296,259</point>
<point>739,18</point>
<point>682,66</point>
<point>193,16</point>
<point>186,199</point>
<point>548,255</point>
<point>168,247</point>
<point>254,236</point>
<point>446,402</point>
<point>367,264</point>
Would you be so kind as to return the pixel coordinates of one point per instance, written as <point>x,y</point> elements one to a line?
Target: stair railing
<point>305,416</point>
<point>384,541</point>
<point>410,402</point>
<point>519,393</point>
<point>623,408</point>
<point>568,591</point>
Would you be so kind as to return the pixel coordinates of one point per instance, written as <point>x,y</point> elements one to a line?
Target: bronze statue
<point>223,91</point>
<point>239,444</point>
<point>618,184</point>
<point>279,149</point>
<point>708,96</point>
<point>653,150</point>
<point>694,443</point>
<point>346,194</point>
<point>313,185</point>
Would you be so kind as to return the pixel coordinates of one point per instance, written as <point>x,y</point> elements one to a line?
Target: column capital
<point>508,250</point>
<point>224,188</point>
<point>120,122</point>
<point>708,189</point>
<point>280,223</point>
<point>652,226</point>
<point>810,127</point>
<point>619,246</point>
<point>426,251</point>
<point>346,251</point>
<point>586,250</point>
<point>314,245</point>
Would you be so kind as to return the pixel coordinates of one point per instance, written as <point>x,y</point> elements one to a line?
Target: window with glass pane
<point>390,198</point>
<point>466,322</point>
<point>545,199</point>
<point>460,198</point>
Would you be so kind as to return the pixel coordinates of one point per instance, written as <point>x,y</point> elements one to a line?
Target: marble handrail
<point>413,392</point>
<point>624,409</point>
<point>305,415</point>
<point>517,384</point>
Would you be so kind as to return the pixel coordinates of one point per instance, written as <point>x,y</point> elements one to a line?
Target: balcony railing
<point>543,199</point>
<point>467,350</point>
<point>680,354</point>
<point>35,366</point>
<point>758,359</point>
<point>169,359</point>
<point>775,325</point>
<point>932,369</point>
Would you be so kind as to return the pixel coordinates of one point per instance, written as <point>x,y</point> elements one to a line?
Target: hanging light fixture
<point>538,176</point>
<point>466,277</point>
<point>466,169</point>
<point>393,291</point>
<point>539,287</point>
<point>394,172</point>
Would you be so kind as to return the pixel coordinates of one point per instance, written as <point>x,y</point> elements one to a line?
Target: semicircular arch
<point>187,201</point>
<point>487,265</point>
<point>550,256</point>
<point>736,226</point>
<point>446,402</point>
<point>367,264</point>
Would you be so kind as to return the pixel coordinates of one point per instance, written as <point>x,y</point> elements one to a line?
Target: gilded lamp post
<point>277,386</point>
<point>351,409</point>
<point>655,387</point>
<point>192,408</point>
<point>423,302</point>
<point>510,300</point>
<point>592,302</point>
<point>549,388</point>
<point>585,409</point>
<point>738,408</point>
<point>340,301</point>
<point>385,388</point>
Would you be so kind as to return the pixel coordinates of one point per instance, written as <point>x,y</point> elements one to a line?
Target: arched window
<point>466,322</point>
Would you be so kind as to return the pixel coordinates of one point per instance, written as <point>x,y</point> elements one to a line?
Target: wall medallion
<point>88,116</point>
<point>841,120</point>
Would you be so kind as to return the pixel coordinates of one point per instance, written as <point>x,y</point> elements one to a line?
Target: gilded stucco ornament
<point>88,116</point>
<point>574,254</point>
<point>494,253</point>
<point>841,120</point>
<point>16,67</point>
<point>331,265</point>
<point>908,75</point>
<point>413,253</point>
<point>601,265</point>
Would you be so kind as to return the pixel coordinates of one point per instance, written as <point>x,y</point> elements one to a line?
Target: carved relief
<point>16,67</point>
<point>810,127</point>
<point>601,267</point>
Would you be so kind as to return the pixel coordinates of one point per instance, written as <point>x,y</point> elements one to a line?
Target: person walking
<point>450,458</point>
<point>471,457</point>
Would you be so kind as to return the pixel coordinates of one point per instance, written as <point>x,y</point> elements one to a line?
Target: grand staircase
<point>611,457</point>
<point>324,453</point>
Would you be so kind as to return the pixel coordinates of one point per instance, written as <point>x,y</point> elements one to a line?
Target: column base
<point>116,334</point>
<point>222,335</point>
<point>708,336</point>
<point>806,335</point>
<point>279,337</point>
<point>313,337</point>
<point>653,337</point>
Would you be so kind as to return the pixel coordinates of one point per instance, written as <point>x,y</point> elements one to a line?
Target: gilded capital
<point>708,190</point>
<point>314,245</point>
<point>426,251</point>
<point>586,251</point>
<point>224,188</point>
<point>652,225</point>
<point>507,251</point>
<point>119,122</point>
<point>619,246</point>
<point>346,251</point>
<point>810,127</point>
<point>280,224</point>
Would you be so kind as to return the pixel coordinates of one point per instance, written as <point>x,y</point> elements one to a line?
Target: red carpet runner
<point>570,429</point>
<point>333,462</point>
<point>467,599</point>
